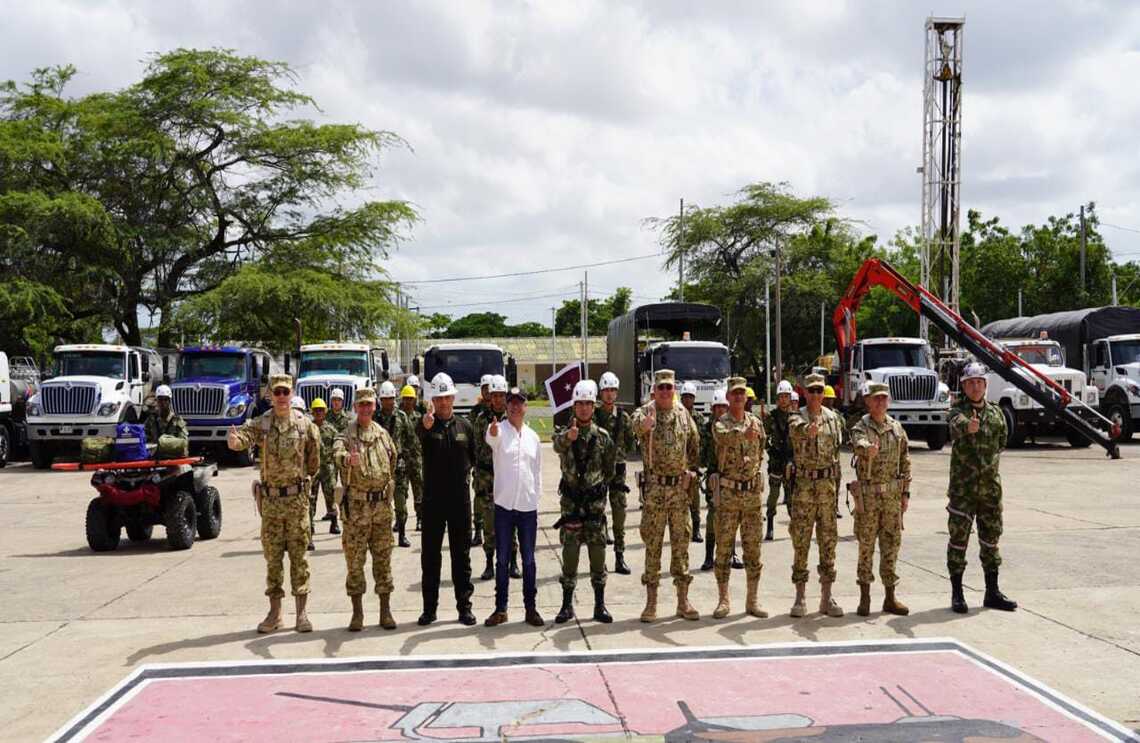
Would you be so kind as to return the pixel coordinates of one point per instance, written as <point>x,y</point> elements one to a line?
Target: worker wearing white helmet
<point>338,416</point>
<point>708,461</point>
<point>616,422</point>
<point>298,403</point>
<point>688,392</point>
<point>163,421</point>
<point>483,477</point>
<point>413,380</point>
<point>484,400</point>
<point>779,449</point>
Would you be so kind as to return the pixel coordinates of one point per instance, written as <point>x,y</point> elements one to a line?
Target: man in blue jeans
<point>517,455</point>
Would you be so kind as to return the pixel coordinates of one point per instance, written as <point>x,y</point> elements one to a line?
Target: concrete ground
<point>74,623</point>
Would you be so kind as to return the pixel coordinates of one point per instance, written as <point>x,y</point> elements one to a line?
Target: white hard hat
<point>720,397</point>
<point>785,388</point>
<point>795,396</point>
<point>498,383</point>
<point>298,403</point>
<point>609,381</point>
<point>586,391</point>
<point>688,388</point>
<point>337,394</point>
<point>387,389</point>
<point>973,370</point>
<point>162,391</point>
<point>412,380</point>
<point>442,386</point>
<point>485,380</point>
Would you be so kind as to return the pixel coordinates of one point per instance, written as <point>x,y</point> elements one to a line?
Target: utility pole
<point>779,344</point>
<point>1114,302</point>
<point>821,328</point>
<point>1019,312</point>
<point>681,254</point>
<point>1083,241</point>
<point>585,324</point>
<point>767,342</point>
<point>553,341</point>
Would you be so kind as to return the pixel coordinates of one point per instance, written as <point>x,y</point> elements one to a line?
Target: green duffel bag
<point>172,447</point>
<point>96,449</point>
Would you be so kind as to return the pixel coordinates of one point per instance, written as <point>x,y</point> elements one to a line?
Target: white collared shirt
<point>518,466</point>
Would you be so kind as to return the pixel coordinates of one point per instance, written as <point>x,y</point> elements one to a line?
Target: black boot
<point>696,514</point>
<point>477,536</point>
<point>329,516</point>
<point>489,571</point>
<point>771,525</point>
<point>600,613</point>
<point>334,527</point>
<point>619,564</point>
<point>514,571</point>
<point>426,618</point>
<point>566,613</point>
<point>957,598</point>
<point>994,598</point>
<point>419,523</point>
<point>710,547</point>
<point>736,563</point>
<point>403,537</point>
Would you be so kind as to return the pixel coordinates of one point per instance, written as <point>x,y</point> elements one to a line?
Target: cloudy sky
<point>543,134</point>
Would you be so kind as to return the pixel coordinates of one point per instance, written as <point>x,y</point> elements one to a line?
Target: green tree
<point>568,320</point>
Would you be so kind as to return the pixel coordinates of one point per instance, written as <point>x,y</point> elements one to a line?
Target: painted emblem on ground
<point>914,690</point>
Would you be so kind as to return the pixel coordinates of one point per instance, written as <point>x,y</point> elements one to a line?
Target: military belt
<point>878,488</point>
<point>282,491</point>
<point>826,473</point>
<point>372,496</point>
<point>741,485</point>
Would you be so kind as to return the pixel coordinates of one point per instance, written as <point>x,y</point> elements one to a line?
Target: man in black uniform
<point>448,443</point>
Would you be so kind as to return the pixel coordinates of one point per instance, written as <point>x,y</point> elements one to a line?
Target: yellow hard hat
<point>408,391</point>
<point>828,391</point>
<point>750,393</point>
<point>318,404</point>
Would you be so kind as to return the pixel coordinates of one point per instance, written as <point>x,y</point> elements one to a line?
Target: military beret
<point>281,380</point>
<point>664,376</point>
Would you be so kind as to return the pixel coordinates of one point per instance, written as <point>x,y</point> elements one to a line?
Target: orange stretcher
<point>142,464</point>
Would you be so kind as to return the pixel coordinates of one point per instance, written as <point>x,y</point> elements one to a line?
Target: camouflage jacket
<point>777,426</point>
<point>620,428</point>
<point>172,426</point>
<point>290,446</point>
<point>739,457</point>
<point>403,433</point>
<point>891,465</point>
<point>708,448</point>
<point>377,467</point>
<point>822,450</point>
<point>339,420</point>
<point>414,453</point>
<point>674,444</point>
<point>587,463</point>
<point>975,457</point>
<point>484,473</point>
<point>476,410</point>
<point>328,434</point>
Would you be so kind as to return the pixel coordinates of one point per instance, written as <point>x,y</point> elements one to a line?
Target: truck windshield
<point>895,354</point>
<point>352,363</point>
<point>91,363</point>
<point>1125,352</point>
<point>1047,354</point>
<point>693,363</point>
<point>216,365</point>
<point>464,366</point>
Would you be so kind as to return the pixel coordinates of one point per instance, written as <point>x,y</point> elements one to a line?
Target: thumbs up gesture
<point>572,432</point>
<point>649,422</point>
<point>232,439</point>
<point>974,424</point>
<point>354,456</point>
<point>873,450</point>
<point>813,429</point>
<point>494,429</point>
<point>429,416</point>
<point>753,433</point>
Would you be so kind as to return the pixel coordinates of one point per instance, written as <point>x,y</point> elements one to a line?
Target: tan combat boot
<point>685,610</point>
<point>272,621</point>
<point>752,601</point>
<point>864,608</point>
<point>891,605</point>
<point>303,624</point>
<point>827,605</point>
<point>386,619</point>
<point>798,607</point>
<point>357,622</point>
<point>723,607</point>
<point>649,613</point>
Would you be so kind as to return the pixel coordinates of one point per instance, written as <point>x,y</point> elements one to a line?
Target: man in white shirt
<point>517,455</point>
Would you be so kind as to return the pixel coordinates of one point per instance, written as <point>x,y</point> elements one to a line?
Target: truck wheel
<point>1076,440</point>
<point>180,518</point>
<point>41,455</point>
<point>1015,434</point>
<point>1118,412</point>
<point>139,532</point>
<point>936,437</point>
<point>5,446</point>
<point>103,528</point>
<point>208,503</point>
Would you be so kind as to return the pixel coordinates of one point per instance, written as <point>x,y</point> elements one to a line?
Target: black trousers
<point>454,517</point>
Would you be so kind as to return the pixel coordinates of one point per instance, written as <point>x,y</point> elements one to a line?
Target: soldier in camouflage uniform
<point>709,463</point>
<point>779,452</point>
<point>978,430</point>
<point>618,425</point>
<point>290,453</point>
<point>162,420</point>
<point>400,430</point>
<point>415,460</point>
<point>326,475</point>
<point>366,457</point>
<point>881,495</point>
<point>689,400</point>
<point>479,504</point>
<point>338,418</point>
<point>671,447</point>
<point>484,475</point>
<point>816,433</point>
<point>738,438</point>
<point>588,458</point>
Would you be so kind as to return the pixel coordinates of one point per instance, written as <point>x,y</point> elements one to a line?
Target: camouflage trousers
<point>880,519</point>
<point>325,480</point>
<point>416,480</point>
<point>710,516</point>
<point>593,536</point>
<point>813,508</point>
<point>743,512</point>
<point>285,528</point>
<point>666,506</point>
<point>401,496</point>
<point>775,485</point>
<point>367,529</point>
<point>618,503</point>
<point>966,506</point>
<point>485,508</point>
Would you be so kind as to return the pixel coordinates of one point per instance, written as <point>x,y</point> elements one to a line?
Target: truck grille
<point>312,391</point>
<point>199,400</point>
<point>912,389</point>
<point>59,399</point>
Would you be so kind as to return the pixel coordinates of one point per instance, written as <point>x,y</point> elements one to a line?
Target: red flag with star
<point>560,387</point>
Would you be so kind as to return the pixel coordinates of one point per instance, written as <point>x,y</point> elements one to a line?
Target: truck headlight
<point>234,411</point>
<point>108,408</point>
<point>33,408</point>
<point>943,393</point>
<point>1133,389</point>
<point>1023,401</point>
<point>1091,395</point>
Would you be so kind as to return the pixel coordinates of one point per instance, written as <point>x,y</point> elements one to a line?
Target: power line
<point>535,272</point>
<point>1118,227</point>
<point>495,301</point>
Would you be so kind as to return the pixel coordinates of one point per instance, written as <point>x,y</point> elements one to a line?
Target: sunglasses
<point>815,391</point>
<point>664,387</point>
<point>282,391</point>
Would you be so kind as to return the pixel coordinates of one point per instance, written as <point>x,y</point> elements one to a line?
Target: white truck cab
<point>704,363</point>
<point>465,363</point>
<point>323,367</point>
<point>92,388</point>
<point>1114,371</point>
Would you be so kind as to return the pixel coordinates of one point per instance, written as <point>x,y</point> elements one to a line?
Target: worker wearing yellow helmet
<point>829,399</point>
<point>749,398</point>
<point>325,478</point>
<point>410,404</point>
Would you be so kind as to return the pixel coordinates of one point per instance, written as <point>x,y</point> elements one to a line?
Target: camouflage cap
<point>877,388</point>
<point>281,380</point>
<point>814,380</point>
<point>367,394</point>
<point>737,383</point>
<point>664,376</point>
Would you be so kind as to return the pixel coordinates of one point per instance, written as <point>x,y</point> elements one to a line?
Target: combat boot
<point>994,598</point>
<point>685,610</point>
<point>696,515</point>
<point>723,607</point>
<point>957,597</point>
<point>620,565</point>
<point>736,563</point>
<point>303,624</point>
<point>828,605</point>
<point>357,622</point>
<point>477,536</point>
<point>489,571</point>
<point>387,621</point>
<point>334,527</point>
<point>709,563</point>
<point>798,607</point>
<point>566,613</point>
<point>403,539</point>
<point>768,536</point>
<point>891,605</point>
<point>864,607</point>
<point>272,621</point>
<point>600,613</point>
<point>419,523</point>
<point>649,613</point>
<point>752,599</point>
